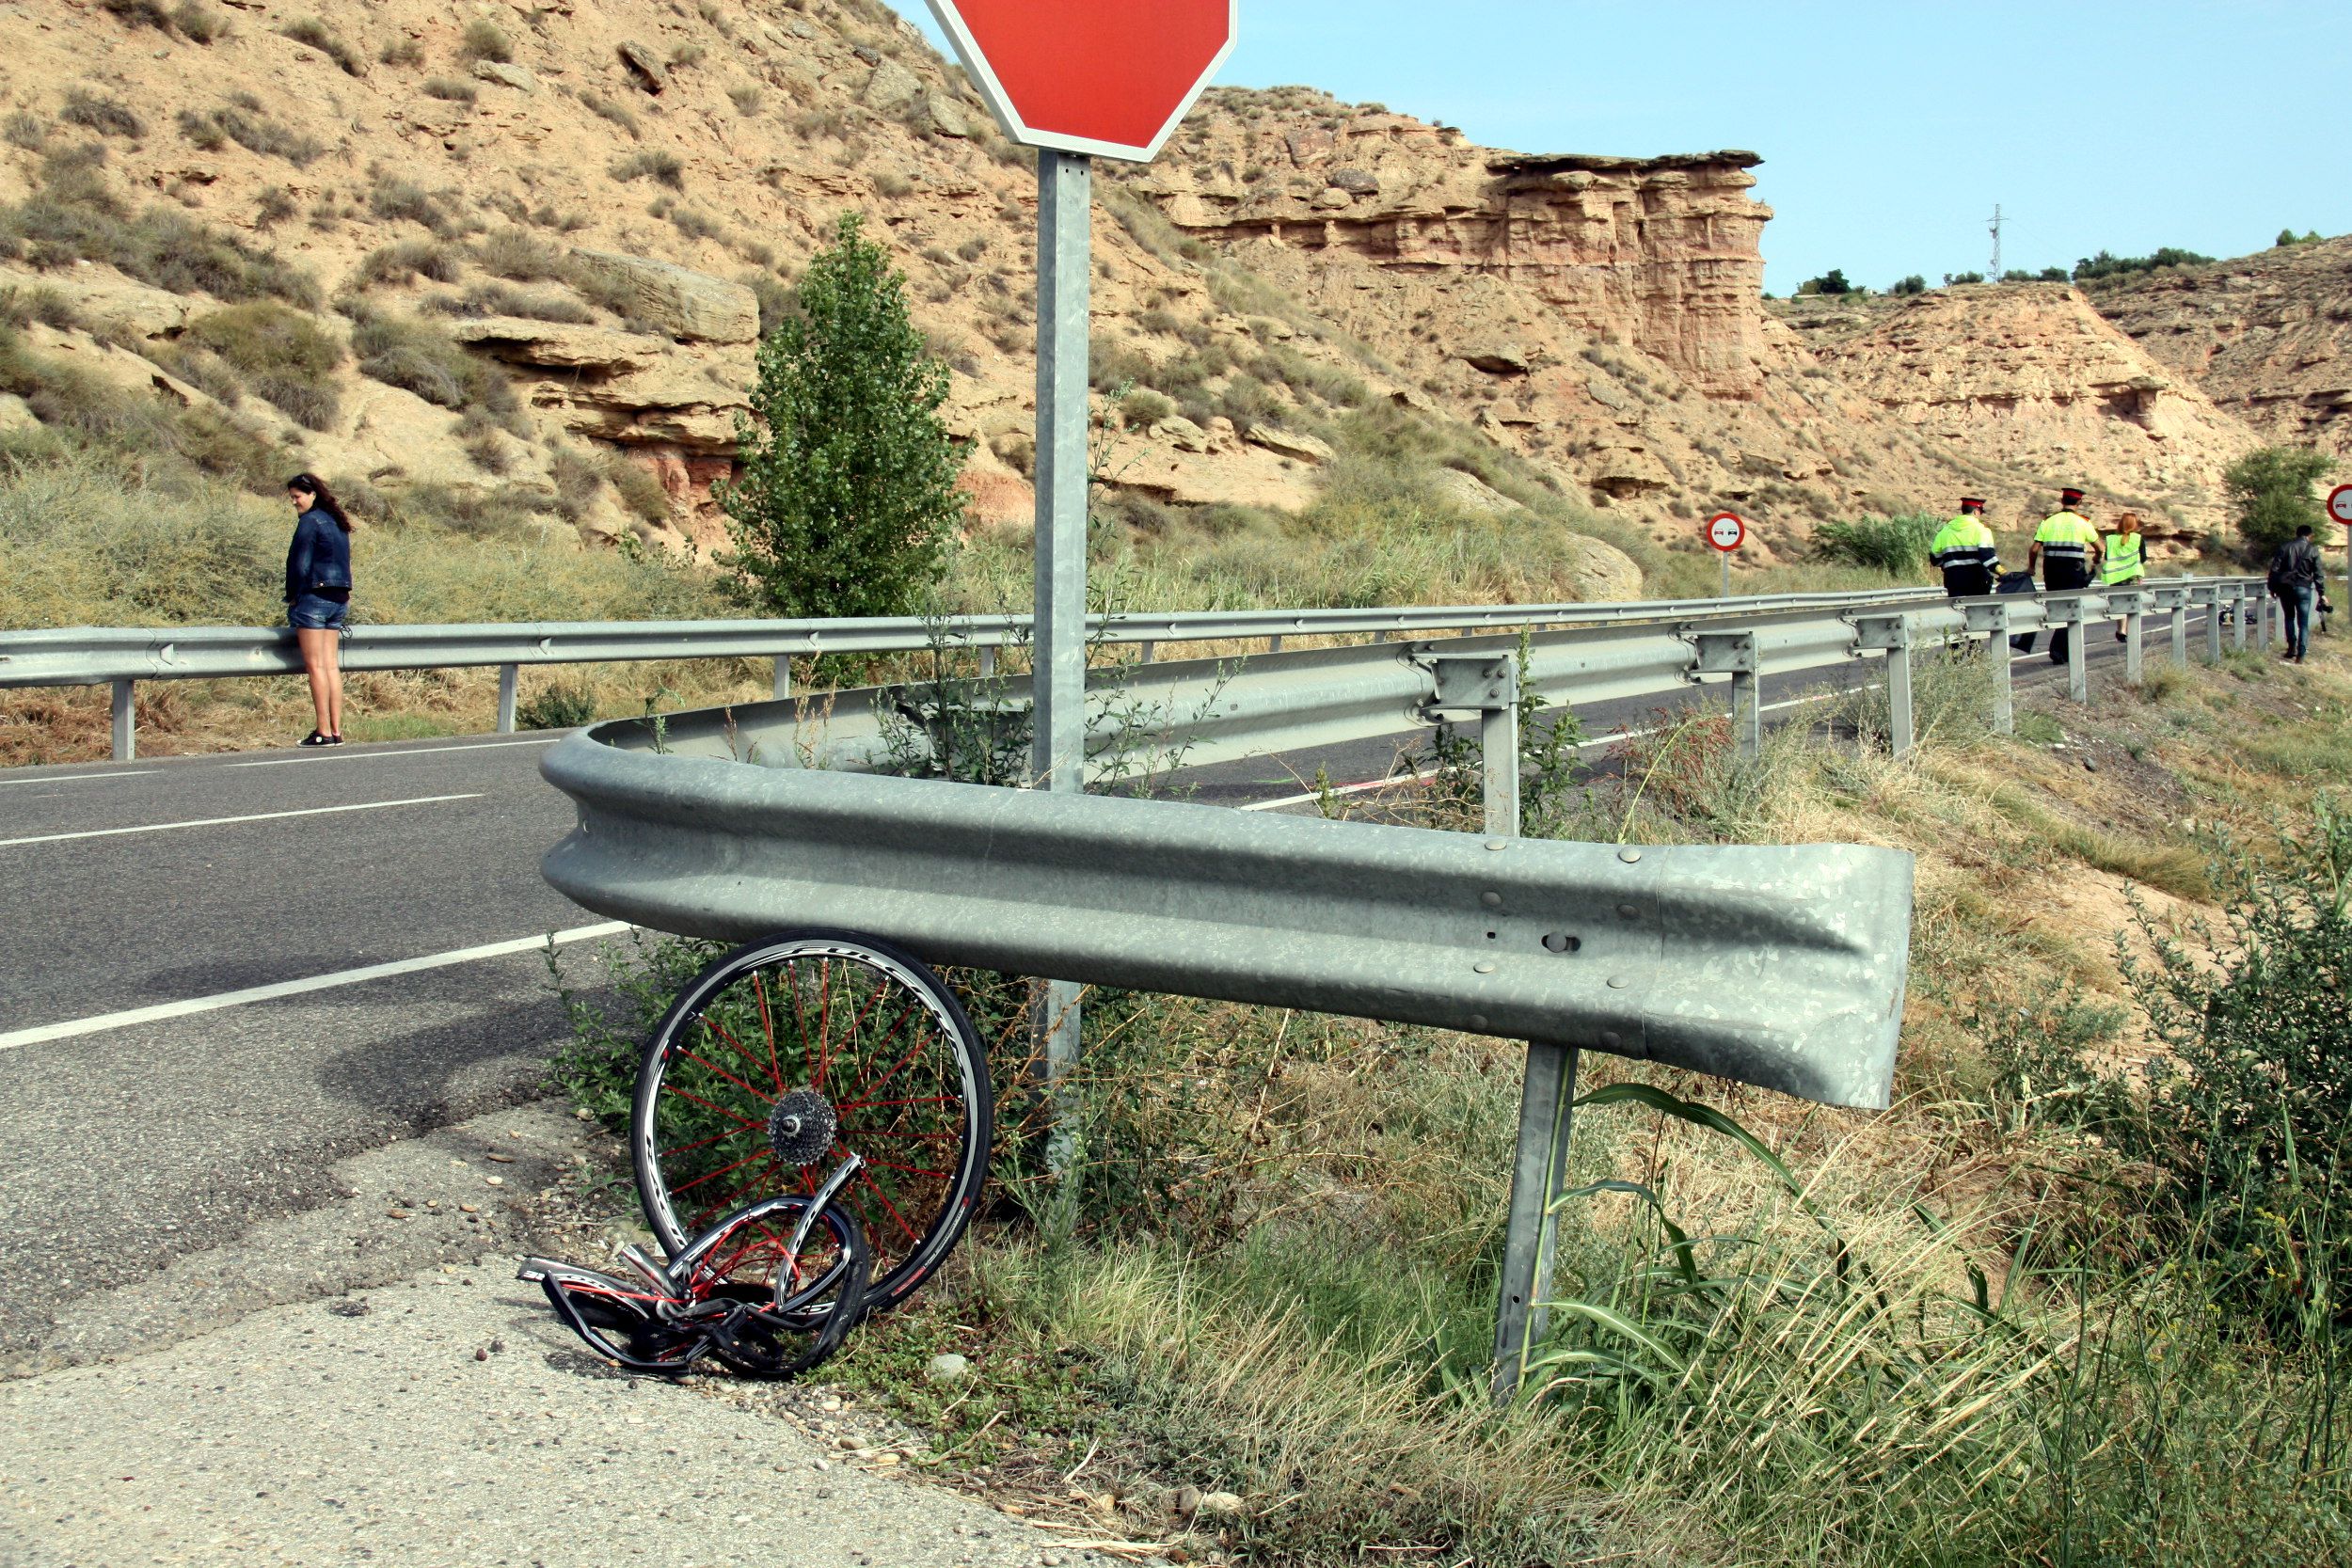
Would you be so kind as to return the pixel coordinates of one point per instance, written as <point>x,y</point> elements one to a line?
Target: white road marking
<point>219,821</point>
<point>104,1022</point>
<point>411,751</point>
<point>77,778</point>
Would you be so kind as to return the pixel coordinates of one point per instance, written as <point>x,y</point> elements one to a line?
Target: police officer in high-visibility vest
<point>2126,558</point>
<point>2066,549</point>
<point>1966,553</point>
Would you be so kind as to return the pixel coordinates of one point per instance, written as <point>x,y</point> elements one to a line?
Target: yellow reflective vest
<point>1966,553</point>
<point>2126,557</point>
<point>2067,540</point>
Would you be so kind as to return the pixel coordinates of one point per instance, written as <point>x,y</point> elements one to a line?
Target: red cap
<point>2070,495</point>
<point>1972,503</point>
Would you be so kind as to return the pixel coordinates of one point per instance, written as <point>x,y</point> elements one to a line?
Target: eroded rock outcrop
<point>2268,337</point>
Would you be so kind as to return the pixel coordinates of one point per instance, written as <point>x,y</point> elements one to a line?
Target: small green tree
<point>1915,284</point>
<point>2270,490</point>
<point>846,495</point>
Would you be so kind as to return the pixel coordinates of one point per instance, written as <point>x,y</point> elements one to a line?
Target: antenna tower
<point>1995,275</point>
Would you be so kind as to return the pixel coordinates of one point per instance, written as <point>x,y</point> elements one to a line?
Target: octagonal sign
<point>1106,77</point>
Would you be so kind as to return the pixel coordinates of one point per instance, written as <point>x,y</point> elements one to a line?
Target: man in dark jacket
<point>2296,574</point>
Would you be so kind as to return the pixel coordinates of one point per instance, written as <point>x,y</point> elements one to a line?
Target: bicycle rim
<point>796,1047</point>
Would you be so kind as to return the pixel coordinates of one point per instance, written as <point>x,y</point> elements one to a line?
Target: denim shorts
<point>312,612</point>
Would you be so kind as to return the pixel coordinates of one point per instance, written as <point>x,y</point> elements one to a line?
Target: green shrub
<point>451,90</point>
<point>1915,284</point>
<point>74,217</point>
<point>497,299</point>
<point>283,355</point>
<point>483,40</point>
<point>1832,282</point>
<point>2253,1094</point>
<point>395,200</point>
<point>661,165</point>
<point>244,122</point>
<point>197,21</point>
<point>1143,408</point>
<point>406,260</point>
<point>597,104</point>
<point>402,51</point>
<point>315,34</point>
<point>23,307</point>
<point>2271,494</point>
<point>140,13</point>
<point>559,706</point>
<point>848,496</point>
<point>406,353</point>
<point>108,116</point>
<point>1897,546</point>
<point>2107,265</point>
<point>516,255</point>
<point>639,488</point>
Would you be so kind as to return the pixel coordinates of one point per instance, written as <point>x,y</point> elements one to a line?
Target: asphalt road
<point>178,883</point>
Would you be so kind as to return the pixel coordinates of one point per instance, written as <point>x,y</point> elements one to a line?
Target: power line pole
<point>1995,275</point>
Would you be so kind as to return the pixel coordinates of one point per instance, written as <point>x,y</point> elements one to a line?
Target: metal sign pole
<point>1065,268</point>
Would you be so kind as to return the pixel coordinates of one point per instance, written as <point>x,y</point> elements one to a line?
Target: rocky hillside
<point>510,260</point>
<point>2268,337</point>
<point>1604,316</point>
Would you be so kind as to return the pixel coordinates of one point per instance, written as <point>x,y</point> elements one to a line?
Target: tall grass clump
<point>1897,546</point>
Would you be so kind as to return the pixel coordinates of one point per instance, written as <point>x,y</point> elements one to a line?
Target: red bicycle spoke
<point>764,1098</point>
<point>928,1100</point>
<point>768,1027</point>
<point>912,1234</point>
<point>721,1137</point>
<point>722,1031</point>
<point>902,1061</point>
<point>688,1094</point>
<point>714,1175</point>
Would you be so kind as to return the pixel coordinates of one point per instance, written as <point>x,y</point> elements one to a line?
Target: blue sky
<point>1888,132</point>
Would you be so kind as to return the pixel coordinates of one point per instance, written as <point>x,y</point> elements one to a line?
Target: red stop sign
<point>1108,77</point>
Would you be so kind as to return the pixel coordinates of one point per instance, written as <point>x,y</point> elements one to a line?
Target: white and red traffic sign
<point>2340,504</point>
<point>1727,532</point>
<point>1109,78</point>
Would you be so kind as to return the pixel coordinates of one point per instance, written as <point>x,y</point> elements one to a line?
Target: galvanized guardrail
<point>1206,711</point>
<point>1779,967</point>
<point>122,657</point>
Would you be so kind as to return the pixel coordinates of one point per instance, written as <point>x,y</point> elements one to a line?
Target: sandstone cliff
<point>1604,317</point>
<point>2268,337</point>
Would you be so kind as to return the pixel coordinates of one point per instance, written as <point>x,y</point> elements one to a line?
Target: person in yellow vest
<point>2126,558</point>
<point>1966,553</point>
<point>2066,549</point>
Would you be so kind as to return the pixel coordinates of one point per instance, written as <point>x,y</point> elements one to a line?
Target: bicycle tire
<point>694,1122</point>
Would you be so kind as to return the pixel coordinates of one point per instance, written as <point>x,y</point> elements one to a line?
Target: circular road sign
<point>1105,77</point>
<point>1727,532</point>
<point>2340,504</point>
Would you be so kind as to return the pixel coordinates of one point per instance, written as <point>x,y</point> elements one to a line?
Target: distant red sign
<point>1106,77</point>
<point>2340,504</point>
<point>1727,532</point>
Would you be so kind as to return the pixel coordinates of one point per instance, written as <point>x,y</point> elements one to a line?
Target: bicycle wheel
<point>796,1046</point>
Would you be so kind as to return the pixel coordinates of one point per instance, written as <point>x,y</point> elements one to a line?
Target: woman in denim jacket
<point>318,597</point>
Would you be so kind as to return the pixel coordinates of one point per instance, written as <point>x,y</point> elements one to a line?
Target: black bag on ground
<point>2017,582</point>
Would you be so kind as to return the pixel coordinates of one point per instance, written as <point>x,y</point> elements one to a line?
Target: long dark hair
<point>324,501</point>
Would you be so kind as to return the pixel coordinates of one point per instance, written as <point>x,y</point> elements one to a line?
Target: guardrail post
<point>1539,1172</point>
<point>1733,654</point>
<point>2174,603</point>
<point>2237,619</point>
<point>1274,645</point>
<point>2066,611</point>
<point>782,686</point>
<point>126,722</point>
<point>988,664</point>
<point>1891,633</point>
<point>1487,685</point>
<point>2132,606</point>
<point>510,677</point>
<point>2213,624</point>
<point>1150,651</point>
<point>1991,622</point>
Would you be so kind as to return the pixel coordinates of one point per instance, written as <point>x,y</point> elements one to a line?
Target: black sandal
<point>315,738</point>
